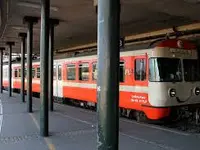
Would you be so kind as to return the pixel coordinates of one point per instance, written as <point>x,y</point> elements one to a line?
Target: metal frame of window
<point>81,65</point>
<point>93,64</point>
<point>19,70</point>
<point>38,72</point>
<point>69,66</point>
<point>33,72</point>
<point>122,63</point>
<point>59,72</point>
<point>182,76</point>
<point>144,76</point>
<point>15,73</point>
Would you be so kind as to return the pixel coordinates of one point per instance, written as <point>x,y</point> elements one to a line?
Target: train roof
<point>127,50</point>
<point>177,43</point>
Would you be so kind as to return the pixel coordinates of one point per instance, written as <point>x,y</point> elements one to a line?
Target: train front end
<point>174,78</point>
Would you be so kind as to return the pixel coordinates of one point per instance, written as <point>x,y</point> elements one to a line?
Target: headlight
<point>172,92</point>
<point>197,91</point>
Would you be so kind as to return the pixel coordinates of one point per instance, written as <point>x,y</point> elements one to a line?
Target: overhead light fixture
<point>35,5</point>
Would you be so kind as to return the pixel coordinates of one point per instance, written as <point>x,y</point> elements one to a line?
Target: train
<point>154,83</point>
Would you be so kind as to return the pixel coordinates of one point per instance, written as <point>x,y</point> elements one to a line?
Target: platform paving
<point>73,128</point>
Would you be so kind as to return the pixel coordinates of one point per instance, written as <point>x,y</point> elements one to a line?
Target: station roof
<point>78,24</point>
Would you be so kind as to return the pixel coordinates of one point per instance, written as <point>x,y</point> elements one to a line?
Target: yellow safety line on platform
<point>47,140</point>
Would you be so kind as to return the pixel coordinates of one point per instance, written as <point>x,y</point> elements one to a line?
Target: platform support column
<point>23,45</point>
<point>44,52</point>
<point>1,69</point>
<point>108,74</point>
<point>53,23</point>
<point>30,21</point>
<point>10,44</point>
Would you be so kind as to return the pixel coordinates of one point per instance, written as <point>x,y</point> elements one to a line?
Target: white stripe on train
<point>124,88</point>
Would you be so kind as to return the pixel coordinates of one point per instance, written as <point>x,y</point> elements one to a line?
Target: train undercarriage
<point>190,113</point>
<point>187,113</point>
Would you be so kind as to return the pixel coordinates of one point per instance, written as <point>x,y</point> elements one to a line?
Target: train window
<point>84,72</point>
<point>16,72</point>
<point>59,72</point>
<point>38,72</point>
<point>54,72</point>
<point>71,72</point>
<point>94,71</point>
<point>19,72</point>
<point>5,73</point>
<point>140,69</point>
<point>191,70</point>
<point>165,70</point>
<point>33,72</point>
<point>121,72</point>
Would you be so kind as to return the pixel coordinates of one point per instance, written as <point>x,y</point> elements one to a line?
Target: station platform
<point>73,128</point>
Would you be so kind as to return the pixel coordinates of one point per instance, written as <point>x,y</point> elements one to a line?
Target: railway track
<point>185,126</point>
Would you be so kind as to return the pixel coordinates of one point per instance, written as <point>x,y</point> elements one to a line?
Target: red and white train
<point>153,81</point>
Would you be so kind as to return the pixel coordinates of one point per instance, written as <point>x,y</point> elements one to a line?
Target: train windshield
<point>165,70</point>
<point>191,70</point>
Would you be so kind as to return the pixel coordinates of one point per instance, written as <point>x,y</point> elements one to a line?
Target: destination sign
<point>181,51</point>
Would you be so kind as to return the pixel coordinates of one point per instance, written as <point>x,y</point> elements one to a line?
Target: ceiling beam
<point>190,27</point>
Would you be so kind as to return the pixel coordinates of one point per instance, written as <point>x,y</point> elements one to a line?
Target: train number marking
<point>128,72</point>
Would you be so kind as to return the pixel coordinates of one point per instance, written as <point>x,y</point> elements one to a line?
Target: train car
<point>154,82</point>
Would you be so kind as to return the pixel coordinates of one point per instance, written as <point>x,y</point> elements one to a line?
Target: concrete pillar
<point>10,44</point>
<point>44,48</point>
<point>108,74</point>
<point>30,21</point>
<point>53,23</point>
<point>23,45</point>
<point>1,68</point>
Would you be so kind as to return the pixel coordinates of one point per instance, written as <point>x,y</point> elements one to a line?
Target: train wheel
<point>140,116</point>
<point>123,112</point>
<point>131,114</point>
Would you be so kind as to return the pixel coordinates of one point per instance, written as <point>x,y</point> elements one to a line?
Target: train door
<point>55,84</point>
<point>140,86</point>
<point>59,81</point>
